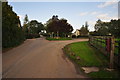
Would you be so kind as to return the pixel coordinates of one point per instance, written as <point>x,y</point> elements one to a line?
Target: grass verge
<point>89,57</point>
<point>104,74</point>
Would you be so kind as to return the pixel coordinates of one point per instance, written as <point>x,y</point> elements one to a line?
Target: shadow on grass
<point>90,57</point>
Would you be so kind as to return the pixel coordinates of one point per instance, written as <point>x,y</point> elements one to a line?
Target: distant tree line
<point>107,28</point>
<point>32,28</point>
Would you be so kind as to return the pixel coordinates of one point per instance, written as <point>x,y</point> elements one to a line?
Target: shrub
<point>12,33</point>
<point>30,36</point>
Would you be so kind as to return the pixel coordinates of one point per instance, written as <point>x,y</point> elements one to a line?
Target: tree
<point>26,24</point>
<point>106,28</point>
<point>101,28</point>
<point>84,30</point>
<point>98,25</point>
<point>11,28</point>
<point>86,25</point>
<point>35,26</point>
<point>114,27</point>
<point>65,28</point>
<point>58,27</point>
<point>40,27</point>
<point>26,20</point>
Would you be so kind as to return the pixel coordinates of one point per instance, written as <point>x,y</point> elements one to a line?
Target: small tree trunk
<point>52,35</point>
<point>65,35</point>
<point>57,34</point>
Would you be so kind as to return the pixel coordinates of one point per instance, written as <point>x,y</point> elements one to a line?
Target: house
<point>77,32</point>
<point>81,32</point>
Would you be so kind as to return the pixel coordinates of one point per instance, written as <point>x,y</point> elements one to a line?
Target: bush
<point>82,36</point>
<point>45,34</point>
<point>12,38</point>
<point>79,36</point>
<point>12,32</point>
<point>30,36</point>
<point>73,36</point>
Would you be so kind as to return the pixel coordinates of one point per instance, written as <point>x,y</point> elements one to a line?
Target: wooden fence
<point>109,46</point>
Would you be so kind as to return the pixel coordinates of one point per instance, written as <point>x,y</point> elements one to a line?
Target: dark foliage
<point>11,28</point>
<point>107,28</point>
<point>61,27</point>
<point>84,31</point>
<point>74,36</point>
<point>30,36</point>
<point>32,28</point>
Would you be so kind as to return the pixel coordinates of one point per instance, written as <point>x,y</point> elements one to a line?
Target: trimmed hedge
<point>12,33</point>
<point>30,36</point>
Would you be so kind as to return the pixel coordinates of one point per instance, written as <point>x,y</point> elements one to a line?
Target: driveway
<point>39,58</point>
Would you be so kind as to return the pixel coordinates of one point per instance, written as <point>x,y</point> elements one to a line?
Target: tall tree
<point>11,31</point>
<point>40,27</point>
<point>106,28</point>
<point>61,27</point>
<point>84,30</point>
<point>86,25</point>
<point>26,20</point>
<point>26,24</point>
<point>114,27</point>
<point>98,25</point>
<point>101,28</point>
<point>35,26</point>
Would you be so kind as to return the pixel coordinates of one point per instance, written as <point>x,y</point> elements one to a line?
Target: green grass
<point>89,57</point>
<point>55,39</point>
<point>104,74</point>
<point>117,39</point>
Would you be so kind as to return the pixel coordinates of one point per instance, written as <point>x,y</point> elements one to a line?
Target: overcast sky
<point>77,13</point>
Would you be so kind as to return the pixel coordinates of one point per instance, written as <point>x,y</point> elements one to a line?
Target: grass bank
<point>89,57</point>
<point>57,39</point>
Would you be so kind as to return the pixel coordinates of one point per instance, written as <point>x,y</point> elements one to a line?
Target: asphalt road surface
<point>39,58</point>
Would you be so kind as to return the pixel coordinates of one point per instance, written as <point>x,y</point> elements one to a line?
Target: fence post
<point>112,52</point>
<point>108,44</point>
<point>90,40</point>
<point>119,53</point>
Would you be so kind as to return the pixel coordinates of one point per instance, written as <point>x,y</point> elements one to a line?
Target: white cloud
<point>91,25</point>
<point>115,6</point>
<point>91,22</point>
<point>102,16</point>
<point>106,17</point>
<point>83,13</point>
<point>112,2</point>
<point>94,13</point>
